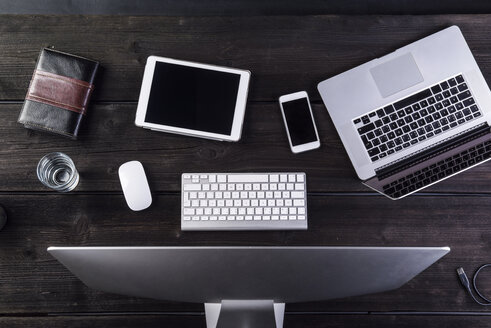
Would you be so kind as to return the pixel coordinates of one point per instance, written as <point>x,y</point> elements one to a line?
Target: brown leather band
<point>59,91</point>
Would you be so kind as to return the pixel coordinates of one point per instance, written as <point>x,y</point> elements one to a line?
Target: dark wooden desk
<point>285,54</point>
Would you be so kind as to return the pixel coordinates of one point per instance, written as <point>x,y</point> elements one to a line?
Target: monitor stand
<point>245,313</point>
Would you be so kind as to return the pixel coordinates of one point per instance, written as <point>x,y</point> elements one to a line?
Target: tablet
<point>194,99</point>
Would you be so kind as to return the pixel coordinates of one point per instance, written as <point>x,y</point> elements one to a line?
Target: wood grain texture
<point>243,7</point>
<point>284,53</point>
<point>109,138</point>
<point>291,321</point>
<point>31,281</point>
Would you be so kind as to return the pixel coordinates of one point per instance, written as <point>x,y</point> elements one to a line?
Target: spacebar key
<point>248,178</point>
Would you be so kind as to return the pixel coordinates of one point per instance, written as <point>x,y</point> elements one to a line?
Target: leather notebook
<point>59,93</point>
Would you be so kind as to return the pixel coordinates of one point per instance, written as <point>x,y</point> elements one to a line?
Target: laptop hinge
<point>432,151</point>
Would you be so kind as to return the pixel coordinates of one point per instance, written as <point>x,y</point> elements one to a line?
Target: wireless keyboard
<point>244,201</point>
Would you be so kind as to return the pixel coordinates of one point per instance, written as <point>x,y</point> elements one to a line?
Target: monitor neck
<point>245,313</point>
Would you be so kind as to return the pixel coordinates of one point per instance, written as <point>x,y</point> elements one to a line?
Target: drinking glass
<point>57,171</point>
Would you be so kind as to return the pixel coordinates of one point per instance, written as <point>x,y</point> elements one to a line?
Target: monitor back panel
<point>211,274</point>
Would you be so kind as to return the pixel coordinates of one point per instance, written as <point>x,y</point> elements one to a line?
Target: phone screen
<point>299,121</point>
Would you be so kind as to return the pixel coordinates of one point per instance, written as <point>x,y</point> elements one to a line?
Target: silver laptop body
<point>414,117</point>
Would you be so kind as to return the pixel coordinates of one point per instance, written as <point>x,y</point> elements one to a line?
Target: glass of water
<point>57,171</point>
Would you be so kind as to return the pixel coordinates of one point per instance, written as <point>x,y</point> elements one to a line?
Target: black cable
<point>465,282</point>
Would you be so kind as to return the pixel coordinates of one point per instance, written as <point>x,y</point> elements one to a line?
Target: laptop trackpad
<point>397,74</point>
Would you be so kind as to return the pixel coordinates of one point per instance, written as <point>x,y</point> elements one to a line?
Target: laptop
<point>414,117</point>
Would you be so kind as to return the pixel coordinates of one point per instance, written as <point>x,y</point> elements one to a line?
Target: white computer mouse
<point>135,185</point>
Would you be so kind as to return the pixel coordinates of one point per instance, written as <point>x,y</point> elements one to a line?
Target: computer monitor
<point>246,286</point>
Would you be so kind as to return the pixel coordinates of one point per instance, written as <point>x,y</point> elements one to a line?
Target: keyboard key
<point>388,109</point>
<point>366,128</point>
<point>373,152</point>
<point>452,82</point>
<point>468,102</point>
<point>192,187</point>
<point>464,95</point>
<point>436,89</point>
<point>297,194</point>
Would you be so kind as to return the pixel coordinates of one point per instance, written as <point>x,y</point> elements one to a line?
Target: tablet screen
<point>193,98</point>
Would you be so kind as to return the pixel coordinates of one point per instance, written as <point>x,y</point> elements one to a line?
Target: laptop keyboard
<point>405,123</point>
<point>438,171</point>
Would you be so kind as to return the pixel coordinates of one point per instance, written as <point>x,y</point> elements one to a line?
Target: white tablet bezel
<point>240,104</point>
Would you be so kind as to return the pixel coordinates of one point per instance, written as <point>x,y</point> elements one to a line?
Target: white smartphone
<point>299,121</point>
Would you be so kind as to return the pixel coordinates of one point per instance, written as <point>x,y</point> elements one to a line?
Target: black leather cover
<point>47,117</point>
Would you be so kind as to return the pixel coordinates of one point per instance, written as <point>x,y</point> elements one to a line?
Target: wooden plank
<point>241,7</point>
<point>33,282</point>
<point>284,53</point>
<point>110,138</point>
<point>291,320</point>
